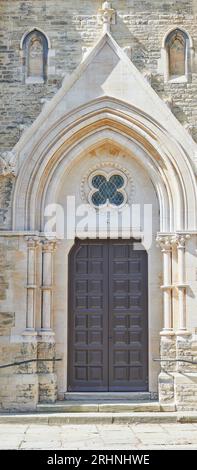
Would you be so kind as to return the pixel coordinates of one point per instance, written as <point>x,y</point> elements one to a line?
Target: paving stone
<point>178,426</point>
<point>142,428</point>
<point>155,438</point>
<point>40,446</point>
<point>98,437</point>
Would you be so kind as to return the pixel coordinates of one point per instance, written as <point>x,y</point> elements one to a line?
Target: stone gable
<point>72,27</point>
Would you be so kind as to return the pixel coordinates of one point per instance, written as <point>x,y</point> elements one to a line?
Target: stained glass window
<point>107,190</point>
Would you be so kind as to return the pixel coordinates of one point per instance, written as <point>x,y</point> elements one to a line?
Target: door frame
<point>137,242</point>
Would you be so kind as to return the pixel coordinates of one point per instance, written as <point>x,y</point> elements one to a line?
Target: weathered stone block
<point>47,388</point>
<point>166,387</point>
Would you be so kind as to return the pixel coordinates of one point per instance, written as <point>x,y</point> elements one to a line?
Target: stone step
<point>98,418</point>
<point>107,396</point>
<point>99,407</point>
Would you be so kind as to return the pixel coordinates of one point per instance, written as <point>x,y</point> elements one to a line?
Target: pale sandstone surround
<point>105,104</point>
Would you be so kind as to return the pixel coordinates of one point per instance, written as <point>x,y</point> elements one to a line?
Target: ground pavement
<point>98,436</point>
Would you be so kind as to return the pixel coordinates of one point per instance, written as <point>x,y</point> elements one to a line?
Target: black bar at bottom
<point>83,458</point>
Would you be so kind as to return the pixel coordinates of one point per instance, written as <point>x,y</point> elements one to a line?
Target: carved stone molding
<point>148,77</point>
<point>48,245</point>
<point>167,242</point>
<point>7,164</point>
<point>85,51</point>
<point>128,51</point>
<point>169,102</point>
<point>180,240</point>
<point>32,242</point>
<point>164,242</point>
<point>190,128</point>
<point>108,167</point>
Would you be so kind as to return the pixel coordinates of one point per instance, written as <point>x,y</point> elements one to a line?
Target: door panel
<point>127,318</point>
<point>88,322</point>
<point>107,317</point>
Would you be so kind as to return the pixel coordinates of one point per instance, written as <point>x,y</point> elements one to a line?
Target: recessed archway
<point>170,172</point>
<point>60,152</point>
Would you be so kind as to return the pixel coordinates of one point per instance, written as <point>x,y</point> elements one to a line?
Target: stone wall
<point>23,386</point>
<point>72,26</point>
<point>6,187</point>
<point>178,379</point>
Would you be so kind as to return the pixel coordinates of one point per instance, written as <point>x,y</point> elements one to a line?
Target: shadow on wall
<point>125,38</point>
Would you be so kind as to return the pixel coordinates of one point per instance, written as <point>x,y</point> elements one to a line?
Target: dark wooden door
<point>108,317</point>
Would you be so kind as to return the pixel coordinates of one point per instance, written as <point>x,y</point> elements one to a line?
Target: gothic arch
<point>32,30</point>
<point>180,69</point>
<point>35,47</point>
<point>165,160</point>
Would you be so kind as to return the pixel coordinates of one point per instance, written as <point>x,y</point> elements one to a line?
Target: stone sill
<point>34,81</point>
<point>182,79</point>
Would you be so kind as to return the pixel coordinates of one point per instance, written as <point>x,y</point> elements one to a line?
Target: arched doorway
<point>107,316</point>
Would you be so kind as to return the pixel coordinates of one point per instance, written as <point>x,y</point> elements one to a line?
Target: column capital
<point>48,246</point>
<point>165,242</point>
<point>32,241</point>
<point>180,240</point>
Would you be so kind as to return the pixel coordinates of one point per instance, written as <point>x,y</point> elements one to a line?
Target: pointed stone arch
<point>119,108</point>
<point>183,38</point>
<point>35,46</point>
<point>31,30</point>
<point>133,112</point>
<point>171,172</point>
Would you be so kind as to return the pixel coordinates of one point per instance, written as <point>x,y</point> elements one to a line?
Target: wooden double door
<point>108,317</point>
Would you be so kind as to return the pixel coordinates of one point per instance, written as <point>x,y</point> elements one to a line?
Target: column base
<point>169,332</point>
<point>29,332</point>
<point>47,332</point>
<point>182,333</point>
<point>46,336</point>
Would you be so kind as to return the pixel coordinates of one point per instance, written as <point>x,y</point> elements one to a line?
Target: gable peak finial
<point>106,5</point>
<point>106,16</point>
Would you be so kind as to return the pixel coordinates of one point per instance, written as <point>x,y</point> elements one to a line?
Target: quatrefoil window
<point>108,190</point>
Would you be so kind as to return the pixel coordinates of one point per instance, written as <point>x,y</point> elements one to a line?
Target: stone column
<point>48,247</point>
<point>47,389</point>
<point>32,243</point>
<point>182,286</point>
<point>166,248</point>
<point>168,338</point>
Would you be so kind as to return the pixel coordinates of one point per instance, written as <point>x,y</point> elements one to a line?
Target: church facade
<point>98,201</point>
